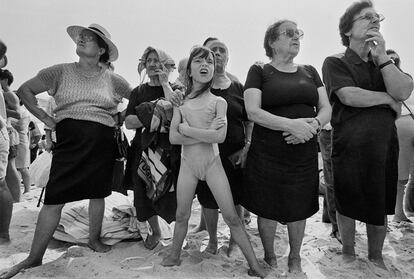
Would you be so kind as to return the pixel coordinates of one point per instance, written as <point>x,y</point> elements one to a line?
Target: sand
<point>321,254</point>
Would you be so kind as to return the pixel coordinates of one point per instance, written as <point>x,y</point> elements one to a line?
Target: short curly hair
<point>271,35</point>
<point>347,19</point>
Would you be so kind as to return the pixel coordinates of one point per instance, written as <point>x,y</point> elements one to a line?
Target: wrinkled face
<point>365,21</point>
<point>152,63</point>
<point>288,42</point>
<point>202,69</point>
<point>87,44</point>
<point>221,54</point>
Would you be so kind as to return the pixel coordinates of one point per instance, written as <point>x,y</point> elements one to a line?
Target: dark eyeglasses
<point>85,37</point>
<point>290,33</point>
<point>370,17</point>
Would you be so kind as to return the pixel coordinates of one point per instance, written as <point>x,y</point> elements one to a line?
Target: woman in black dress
<point>157,65</point>
<point>365,88</point>
<point>288,104</point>
<point>233,150</point>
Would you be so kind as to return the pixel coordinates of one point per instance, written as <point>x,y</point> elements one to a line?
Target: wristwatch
<point>386,63</point>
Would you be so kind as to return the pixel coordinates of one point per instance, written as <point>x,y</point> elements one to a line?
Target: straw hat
<point>75,30</point>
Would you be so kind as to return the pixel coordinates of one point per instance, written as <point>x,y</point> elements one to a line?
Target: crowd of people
<point>238,148</point>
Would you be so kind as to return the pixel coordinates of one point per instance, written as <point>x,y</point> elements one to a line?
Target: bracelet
<point>386,63</point>
<point>319,129</point>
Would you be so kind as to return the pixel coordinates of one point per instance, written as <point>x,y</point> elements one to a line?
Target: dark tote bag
<point>118,175</point>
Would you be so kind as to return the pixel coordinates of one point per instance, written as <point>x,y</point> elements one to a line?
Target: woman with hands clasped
<point>199,125</point>
<point>365,88</point>
<point>288,104</point>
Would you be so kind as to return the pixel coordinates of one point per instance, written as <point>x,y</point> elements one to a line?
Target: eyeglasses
<point>370,17</point>
<point>290,33</point>
<point>86,37</point>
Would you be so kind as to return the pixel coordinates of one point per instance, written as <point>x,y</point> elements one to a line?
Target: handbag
<point>122,145</point>
<point>120,139</point>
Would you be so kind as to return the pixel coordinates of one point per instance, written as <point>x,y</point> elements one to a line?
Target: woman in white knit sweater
<point>86,95</point>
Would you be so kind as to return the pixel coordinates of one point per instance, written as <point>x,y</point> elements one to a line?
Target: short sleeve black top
<point>236,115</point>
<point>349,70</point>
<point>140,94</point>
<point>291,95</point>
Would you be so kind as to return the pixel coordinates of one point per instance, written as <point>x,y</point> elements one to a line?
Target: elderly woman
<point>365,88</point>
<point>86,95</point>
<point>288,105</point>
<point>157,65</point>
<point>233,150</point>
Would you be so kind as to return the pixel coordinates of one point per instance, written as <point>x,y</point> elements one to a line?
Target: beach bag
<point>157,178</point>
<point>118,177</point>
<point>39,170</point>
<point>121,140</point>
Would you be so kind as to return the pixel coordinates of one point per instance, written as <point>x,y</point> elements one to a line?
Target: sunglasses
<point>370,17</point>
<point>86,37</point>
<point>290,33</point>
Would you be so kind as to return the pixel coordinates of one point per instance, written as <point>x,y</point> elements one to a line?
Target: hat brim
<point>75,30</point>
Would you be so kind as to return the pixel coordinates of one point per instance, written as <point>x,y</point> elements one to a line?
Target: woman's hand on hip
<point>49,122</point>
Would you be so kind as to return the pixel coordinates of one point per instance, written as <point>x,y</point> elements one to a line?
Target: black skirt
<point>82,162</point>
<point>280,180</point>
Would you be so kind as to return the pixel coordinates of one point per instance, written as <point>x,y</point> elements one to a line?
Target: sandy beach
<point>321,254</point>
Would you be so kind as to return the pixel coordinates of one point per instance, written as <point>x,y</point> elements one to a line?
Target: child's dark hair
<point>202,52</point>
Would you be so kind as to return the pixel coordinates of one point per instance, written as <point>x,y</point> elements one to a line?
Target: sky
<point>35,31</point>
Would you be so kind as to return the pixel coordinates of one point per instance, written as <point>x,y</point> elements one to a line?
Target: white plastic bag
<point>40,168</point>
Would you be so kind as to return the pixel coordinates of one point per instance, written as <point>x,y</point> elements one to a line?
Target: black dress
<point>364,142</point>
<point>281,180</point>
<point>236,115</point>
<point>165,207</point>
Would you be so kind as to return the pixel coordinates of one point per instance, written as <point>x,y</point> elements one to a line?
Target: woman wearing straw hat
<point>86,95</point>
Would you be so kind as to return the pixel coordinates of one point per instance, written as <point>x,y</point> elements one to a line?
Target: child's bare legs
<point>186,186</point>
<point>219,186</point>
<point>232,243</point>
